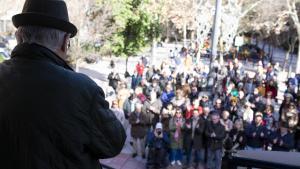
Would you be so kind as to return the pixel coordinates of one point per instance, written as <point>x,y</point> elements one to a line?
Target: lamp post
<point>216,32</point>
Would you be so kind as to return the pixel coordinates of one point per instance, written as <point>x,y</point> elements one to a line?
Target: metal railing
<point>230,161</point>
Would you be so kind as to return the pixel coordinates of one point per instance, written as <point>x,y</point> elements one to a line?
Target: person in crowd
<point>150,73</point>
<point>218,107</point>
<point>268,117</point>
<point>269,100</point>
<point>248,114</point>
<point>249,85</point>
<point>158,144</point>
<point>271,87</point>
<point>191,108</point>
<point>176,137</point>
<point>114,80</point>
<point>152,107</point>
<point>233,108</point>
<point>118,112</point>
<point>194,129</point>
<point>204,102</point>
<point>140,94</point>
<point>138,121</point>
<point>261,87</point>
<point>123,92</point>
<point>290,116</point>
<point>206,112</point>
<point>129,104</point>
<point>283,140</point>
<point>154,86</point>
<point>167,95</point>
<point>225,121</point>
<point>164,80</point>
<point>258,104</point>
<point>194,91</point>
<point>140,69</point>
<point>288,99</point>
<point>237,135</point>
<point>167,113</point>
<point>180,100</point>
<point>215,133</point>
<point>256,133</point>
<point>135,80</point>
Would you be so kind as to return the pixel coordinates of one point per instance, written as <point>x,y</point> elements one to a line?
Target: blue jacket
<point>155,142</point>
<point>167,97</point>
<point>288,142</point>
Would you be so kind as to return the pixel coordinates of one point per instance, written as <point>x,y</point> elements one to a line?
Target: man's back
<point>52,117</point>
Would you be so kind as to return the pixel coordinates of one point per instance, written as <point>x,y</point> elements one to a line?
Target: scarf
<point>178,129</point>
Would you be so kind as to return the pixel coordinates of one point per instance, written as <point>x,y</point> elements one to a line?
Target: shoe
<point>173,163</point>
<point>179,163</point>
<point>134,155</point>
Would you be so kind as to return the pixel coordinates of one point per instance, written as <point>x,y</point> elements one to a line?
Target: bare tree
<point>293,13</point>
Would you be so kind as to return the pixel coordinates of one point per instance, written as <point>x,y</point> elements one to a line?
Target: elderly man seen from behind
<point>51,116</point>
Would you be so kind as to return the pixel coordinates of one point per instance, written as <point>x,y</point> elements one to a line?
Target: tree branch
<point>250,8</point>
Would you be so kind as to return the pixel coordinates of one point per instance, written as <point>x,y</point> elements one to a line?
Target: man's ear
<point>65,44</point>
<point>19,40</point>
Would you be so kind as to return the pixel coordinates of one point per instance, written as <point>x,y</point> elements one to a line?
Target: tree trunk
<point>167,40</point>
<point>298,59</point>
<point>287,54</point>
<point>184,34</point>
<point>264,45</point>
<point>153,52</point>
<point>193,35</point>
<point>221,59</point>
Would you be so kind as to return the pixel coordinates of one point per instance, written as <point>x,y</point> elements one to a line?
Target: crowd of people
<point>184,113</point>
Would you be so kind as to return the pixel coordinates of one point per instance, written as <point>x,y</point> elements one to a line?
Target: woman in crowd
<point>176,137</point>
<point>237,135</point>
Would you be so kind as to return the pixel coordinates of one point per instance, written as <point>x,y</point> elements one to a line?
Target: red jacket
<point>189,111</point>
<point>140,69</point>
<point>272,89</point>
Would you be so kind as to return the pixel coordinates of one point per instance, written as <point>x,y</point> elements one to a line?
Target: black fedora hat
<point>47,13</point>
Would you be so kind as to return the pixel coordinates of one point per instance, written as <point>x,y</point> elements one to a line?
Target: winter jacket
<point>238,139</point>
<point>197,138</point>
<point>166,98</point>
<point>52,117</point>
<point>256,141</point>
<point>176,143</point>
<point>287,139</point>
<point>215,143</point>
<point>151,114</point>
<point>138,125</point>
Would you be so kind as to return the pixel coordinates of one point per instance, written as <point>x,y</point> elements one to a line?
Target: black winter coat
<point>256,141</point>
<point>215,143</point>
<point>198,140</point>
<point>52,117</point>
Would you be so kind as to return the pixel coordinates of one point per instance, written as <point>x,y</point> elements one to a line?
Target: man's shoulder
<point>81,80</point>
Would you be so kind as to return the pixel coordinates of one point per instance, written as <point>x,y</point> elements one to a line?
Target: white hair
<point>48,37</point>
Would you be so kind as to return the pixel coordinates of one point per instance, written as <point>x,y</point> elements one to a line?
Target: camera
<point>159,133</point>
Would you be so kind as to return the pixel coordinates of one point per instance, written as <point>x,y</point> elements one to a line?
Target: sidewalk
<point>125,161</point>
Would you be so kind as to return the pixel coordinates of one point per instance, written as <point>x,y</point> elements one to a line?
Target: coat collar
<point>37,52</point>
